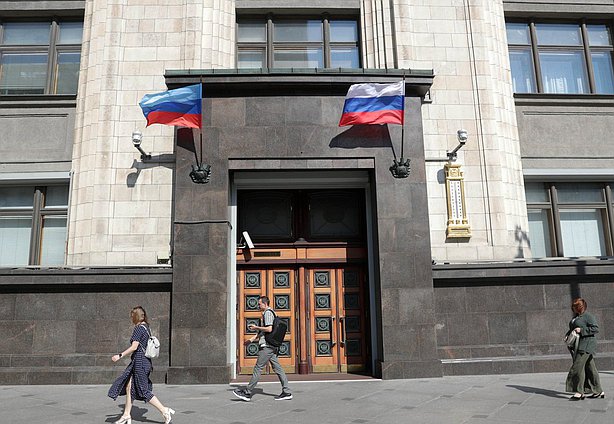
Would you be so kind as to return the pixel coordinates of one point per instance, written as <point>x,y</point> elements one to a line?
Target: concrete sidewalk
<point>500,399</point>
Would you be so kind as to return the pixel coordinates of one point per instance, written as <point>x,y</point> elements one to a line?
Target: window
<point>298,43</point>
<point>560,58</point>
<point>281,216</point>
<point>39,57</point>
<point>570,219</point>
<point>33,225</point>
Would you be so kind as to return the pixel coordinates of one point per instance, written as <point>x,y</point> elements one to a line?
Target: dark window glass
<point>266,215</point>
<point>56,196</point>
<point>335,214</point>
<point>16,197</point>
<point>280,216</point>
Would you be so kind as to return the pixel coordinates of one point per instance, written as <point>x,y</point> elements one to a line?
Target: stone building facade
<point>90,228</point>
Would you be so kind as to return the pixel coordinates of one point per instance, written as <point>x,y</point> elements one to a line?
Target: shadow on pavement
<point>138,415</point>
<point>539,391</point>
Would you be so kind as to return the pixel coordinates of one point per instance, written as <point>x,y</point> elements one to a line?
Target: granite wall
<point>289,121</point>
<point>511,317</point>
<point>62,326</point>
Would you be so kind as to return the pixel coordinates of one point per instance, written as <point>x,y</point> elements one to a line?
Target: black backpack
<point>276,337</point>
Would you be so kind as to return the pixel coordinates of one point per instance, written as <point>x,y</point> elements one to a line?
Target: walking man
<point>266,354</point>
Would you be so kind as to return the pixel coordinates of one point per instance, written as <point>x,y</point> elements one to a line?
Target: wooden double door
<point>325,308</point>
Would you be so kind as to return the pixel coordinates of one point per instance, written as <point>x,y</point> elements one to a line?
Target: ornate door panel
<point>279,285</point>
<point>323,319</point>
<point>332,309</point>
<point>353,323</point>
<point>338,330</point>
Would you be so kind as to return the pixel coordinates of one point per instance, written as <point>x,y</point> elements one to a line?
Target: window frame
<point>269,45</point>
<point>38,212</point>
<point>553,208</point>
<point>52,50</point>
<point>584,48</point>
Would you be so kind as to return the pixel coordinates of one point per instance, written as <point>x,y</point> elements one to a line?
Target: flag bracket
<point>400,168</point>
<point>201,173</point>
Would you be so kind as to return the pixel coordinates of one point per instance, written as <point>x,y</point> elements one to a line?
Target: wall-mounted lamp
<point>137,138</point>
<point>462,139</point>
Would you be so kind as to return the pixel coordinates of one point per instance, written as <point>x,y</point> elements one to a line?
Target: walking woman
<point>583,377</point>
<point>136,374</point>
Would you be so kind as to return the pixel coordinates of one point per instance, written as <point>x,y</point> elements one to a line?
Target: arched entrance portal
<point>310,257</point>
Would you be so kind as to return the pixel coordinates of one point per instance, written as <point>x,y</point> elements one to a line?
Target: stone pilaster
<point>121,207</point>
<point>464,43</point>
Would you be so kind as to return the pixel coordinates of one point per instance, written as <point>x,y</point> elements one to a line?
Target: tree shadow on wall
<point>362,136</point>
<point>522,237</point>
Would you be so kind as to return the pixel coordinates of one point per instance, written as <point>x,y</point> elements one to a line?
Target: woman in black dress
<point>583,377</point>
<point>136,374</point>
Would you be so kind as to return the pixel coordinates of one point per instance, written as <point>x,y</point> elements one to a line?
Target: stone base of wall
<point>69,375</point>
<point>390,370</point>
<point>518,365</point>
<point>199,375</point>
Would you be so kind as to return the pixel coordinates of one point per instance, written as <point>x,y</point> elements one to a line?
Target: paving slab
<point>494,399</point>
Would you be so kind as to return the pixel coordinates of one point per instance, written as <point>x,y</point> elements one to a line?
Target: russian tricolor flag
<point>374,104</point>
<point>181,107</point>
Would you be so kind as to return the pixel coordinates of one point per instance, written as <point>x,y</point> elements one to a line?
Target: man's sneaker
<point>284,396</point>
<point>242,394</point>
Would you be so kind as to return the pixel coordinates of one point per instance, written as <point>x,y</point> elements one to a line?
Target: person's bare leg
<point>156,402</point>
<point>128,405</point>
<point>166,412</point>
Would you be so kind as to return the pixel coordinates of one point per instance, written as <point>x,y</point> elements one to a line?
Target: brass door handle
<point>332,332</point>
<point>342,323</point>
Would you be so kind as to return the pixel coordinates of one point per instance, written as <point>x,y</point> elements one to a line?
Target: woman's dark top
<point>589,327</point>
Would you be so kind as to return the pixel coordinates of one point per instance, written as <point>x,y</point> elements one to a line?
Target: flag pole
<point>400,168</point>
<point>201,121</point>
<point>403,122</point>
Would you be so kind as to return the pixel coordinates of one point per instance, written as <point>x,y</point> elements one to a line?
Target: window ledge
<point>42,100</point>
<point>564,99</point>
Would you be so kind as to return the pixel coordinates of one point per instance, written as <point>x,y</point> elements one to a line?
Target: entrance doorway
<point>310,259</point>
